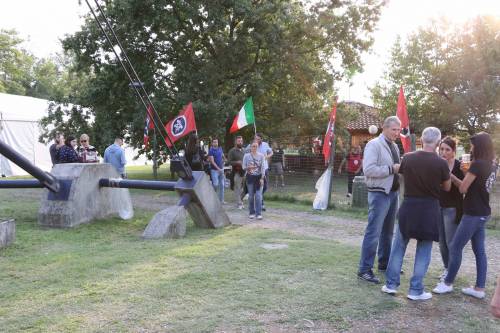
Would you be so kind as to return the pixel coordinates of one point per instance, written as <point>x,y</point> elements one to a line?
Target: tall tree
<point>451,76</point>
<point>15,64</point>
<point>216,54</point>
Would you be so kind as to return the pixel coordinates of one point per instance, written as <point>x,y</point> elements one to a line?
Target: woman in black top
<point>450,202</point>
<point>476,186</point>
<point>194,154</point>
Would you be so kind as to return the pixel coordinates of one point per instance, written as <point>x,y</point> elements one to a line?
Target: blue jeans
<point>254,199</point>
<point>470,228</point>
<point>381,215</point>
<point>422,260</point>
<point>447,229</point>
<point>218,181</point>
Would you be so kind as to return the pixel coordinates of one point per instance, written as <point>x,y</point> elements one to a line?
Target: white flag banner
<point>322,186</point>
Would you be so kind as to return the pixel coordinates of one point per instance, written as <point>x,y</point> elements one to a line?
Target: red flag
<point>148,124</point>
<point>181,125</point>
<point>402,114</point>
<point>329,134</point>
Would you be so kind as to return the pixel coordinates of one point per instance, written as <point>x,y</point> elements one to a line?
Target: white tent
<point>20,129</point>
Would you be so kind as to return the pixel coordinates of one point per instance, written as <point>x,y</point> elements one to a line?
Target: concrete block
<point>85,201</point>
<point>168,223</point>
<point>7,232</point>
<point>205,208</point>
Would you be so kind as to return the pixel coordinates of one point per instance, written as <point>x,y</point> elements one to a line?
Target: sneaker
<point>251,216</point>
<point>443,275</point>
<point>442,288</point>
<point>422,297</point>
<point>259,217</point>
<point>263,208</point>
<point>369,276</point>
<point>240,206</point>
<point>473,292</point>
<point>349,195</point>
<point>388,290</point>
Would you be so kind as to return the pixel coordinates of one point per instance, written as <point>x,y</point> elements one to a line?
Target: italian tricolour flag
<point>244,117</point>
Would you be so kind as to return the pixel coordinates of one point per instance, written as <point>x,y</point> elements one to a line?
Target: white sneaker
<point>251,216</point>
<point>388,290</point>
<point>443,275</point>
<point>473,292</point>
<point>442,288</point>
<point>240,206</point>
<point>422,297</point>
<point>259,217</point>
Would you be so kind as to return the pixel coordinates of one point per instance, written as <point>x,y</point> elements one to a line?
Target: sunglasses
<point>83,140</point>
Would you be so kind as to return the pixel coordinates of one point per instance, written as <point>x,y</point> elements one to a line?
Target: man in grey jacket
<point>380,166</point>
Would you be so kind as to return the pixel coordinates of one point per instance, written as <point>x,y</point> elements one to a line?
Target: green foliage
<point>451,77</point>
<point>21,73</point>
<point>216,54</point>
<point>15,64</point>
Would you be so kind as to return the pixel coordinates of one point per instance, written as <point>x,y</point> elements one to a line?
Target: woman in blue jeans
<point>450,202</point>
<point>253,164</point>
<point>476,185</point>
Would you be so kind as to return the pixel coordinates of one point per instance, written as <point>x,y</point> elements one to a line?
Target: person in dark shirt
<point>476,185</point>
<point>278,164</point>
<point>67,153</point>
<point>54,148</point>
<point>194,154</point>
<point>450,202</point>
<point>425,174</point>
<point>237,176</point>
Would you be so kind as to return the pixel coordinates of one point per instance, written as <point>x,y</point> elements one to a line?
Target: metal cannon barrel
<point>140,184</point>
<point>21,183</point>
<point>45,178</point>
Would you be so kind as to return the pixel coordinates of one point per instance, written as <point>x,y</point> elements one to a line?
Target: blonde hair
<point>85,137</point>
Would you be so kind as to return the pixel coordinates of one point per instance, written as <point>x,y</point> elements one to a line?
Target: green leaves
<point>216,54</point>
<point>449,74</point>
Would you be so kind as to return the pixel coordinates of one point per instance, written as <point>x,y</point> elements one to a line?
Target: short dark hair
<point>68,140</point>
<point>483,146</point>
<point>259,135</point>
<point>237,137</point>
<point>450,142</point>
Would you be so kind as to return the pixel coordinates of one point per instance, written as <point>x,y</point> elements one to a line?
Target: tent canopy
<point>20,129</point>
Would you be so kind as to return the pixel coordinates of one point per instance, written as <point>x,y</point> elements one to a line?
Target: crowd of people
<point>248,169</point>
<point>67,150</point>
<point>445,201</point>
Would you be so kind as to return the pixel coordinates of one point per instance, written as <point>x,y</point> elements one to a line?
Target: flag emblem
<point>178,126</point>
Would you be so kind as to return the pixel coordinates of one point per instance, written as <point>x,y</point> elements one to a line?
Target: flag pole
<point>331,160</point>
<point>254,127</point>
<point>155,161</point>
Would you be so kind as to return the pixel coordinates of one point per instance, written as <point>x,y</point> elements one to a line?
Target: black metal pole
<point>45,178</point>
<point>140,184</point>
<point>21,183</point>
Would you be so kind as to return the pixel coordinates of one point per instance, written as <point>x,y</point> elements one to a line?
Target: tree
<point>15,64</point>
<point>451,77</point>
<point>216,54</point>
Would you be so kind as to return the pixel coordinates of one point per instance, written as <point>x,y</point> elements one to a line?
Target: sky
<point>44,22</point>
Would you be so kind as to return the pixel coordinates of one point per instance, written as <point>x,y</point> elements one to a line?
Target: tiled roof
<point>365,116</point>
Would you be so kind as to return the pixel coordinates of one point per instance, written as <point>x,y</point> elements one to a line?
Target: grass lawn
<point>103,277</point>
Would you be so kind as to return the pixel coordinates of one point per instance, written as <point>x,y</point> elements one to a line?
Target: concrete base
<point>204,207</point>
<point>168,223</point>
<point>7,232</point>
<point>83,200</point>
